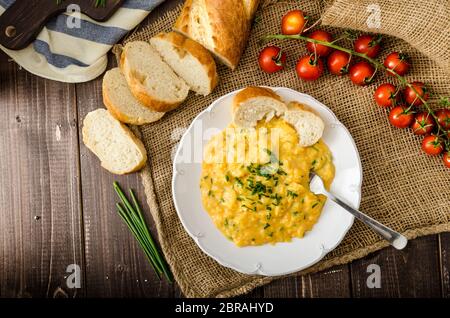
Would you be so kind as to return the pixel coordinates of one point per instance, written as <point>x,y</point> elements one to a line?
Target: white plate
<point>281,258</point>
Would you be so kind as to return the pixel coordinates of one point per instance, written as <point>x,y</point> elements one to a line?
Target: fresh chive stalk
<point>133,217</point>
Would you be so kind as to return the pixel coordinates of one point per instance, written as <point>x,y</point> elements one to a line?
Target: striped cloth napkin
<point>77,54</point>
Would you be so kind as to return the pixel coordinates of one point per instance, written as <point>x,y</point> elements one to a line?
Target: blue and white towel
<point>73,55</point>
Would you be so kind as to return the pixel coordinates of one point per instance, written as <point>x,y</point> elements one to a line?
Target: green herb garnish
<point>134,219</point>
<point>292,194</point>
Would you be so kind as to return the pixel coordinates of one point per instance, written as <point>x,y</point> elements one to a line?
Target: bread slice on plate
<point>122,104</point>
<point>220,26</point>
<point>255,103</point>
<point>309,126</point>
<point>118,149</point>
<point>191,61</point>
<point>152,82</point>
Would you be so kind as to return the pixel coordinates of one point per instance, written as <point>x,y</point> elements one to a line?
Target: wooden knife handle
<point>24,19</point>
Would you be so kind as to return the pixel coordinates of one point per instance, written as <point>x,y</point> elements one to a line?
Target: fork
<point>396,239</point>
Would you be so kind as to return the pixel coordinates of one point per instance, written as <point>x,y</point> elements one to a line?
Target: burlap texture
<point>424,24</point>
<point>402,188</point>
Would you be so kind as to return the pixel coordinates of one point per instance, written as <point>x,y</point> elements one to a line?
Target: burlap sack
<point>402,187</point>
<point>424,24</point>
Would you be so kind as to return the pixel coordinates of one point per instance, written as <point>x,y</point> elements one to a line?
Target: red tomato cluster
<point>402,104</point>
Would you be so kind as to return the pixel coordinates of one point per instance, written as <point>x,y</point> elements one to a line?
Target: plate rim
<point>196,238</point>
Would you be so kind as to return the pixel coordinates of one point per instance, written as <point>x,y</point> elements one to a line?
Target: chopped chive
<point>292,194</point>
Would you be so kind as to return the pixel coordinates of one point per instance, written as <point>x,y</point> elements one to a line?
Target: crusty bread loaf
<point>122,104</point>
<point>191,61</point>
<point>118,149</point>
<point>250,7</point>
<point>152,82</point>
<point>220,26</point>
<point>254,103</point>
<point>309,126</point>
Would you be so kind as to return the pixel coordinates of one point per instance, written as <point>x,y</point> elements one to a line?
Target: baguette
<point>151,81</point>
<point>122,104</point>
<point>256,103</point>
<point>220,26</point>
<point>309,126</point>
<point>191,61</point>
<point>118,149</point>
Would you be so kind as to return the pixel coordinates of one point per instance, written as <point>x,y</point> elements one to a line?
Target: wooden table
<point>57,209</point>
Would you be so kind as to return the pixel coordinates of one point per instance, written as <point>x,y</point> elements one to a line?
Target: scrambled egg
<point>255,183</point>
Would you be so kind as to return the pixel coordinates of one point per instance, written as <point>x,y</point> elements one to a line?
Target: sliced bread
<point>309,126</point>
<point>118,149</point>
<point>191,61</point>
<point>220,26</point>
<point>255,103</point>
<point>152,82</point>
<point>122,104</point>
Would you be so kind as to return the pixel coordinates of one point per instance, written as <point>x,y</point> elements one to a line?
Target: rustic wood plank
<point>281,288</point>
<point>40,216</point>
<point>413,272</point>
<point>444,240</point>
<point>331,283</point>
<point>115,264</point>
<point>116,267</point>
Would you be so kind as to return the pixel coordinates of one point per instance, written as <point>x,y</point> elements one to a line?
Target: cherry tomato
<point>271,59</point>
<point>293,22</point>
<point>361,73</point>
<point>423,124</point>
<point>432,145</point>
<point>338,62</point>
<point>308,68</point>
<point>446,159</point>
<point>385,95</point>
<point>411,97</point>
<point>397,62</point>
<point>320,49</point>
<point>368,45</point>
<point>401,117</point>
<point>443,117</point>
